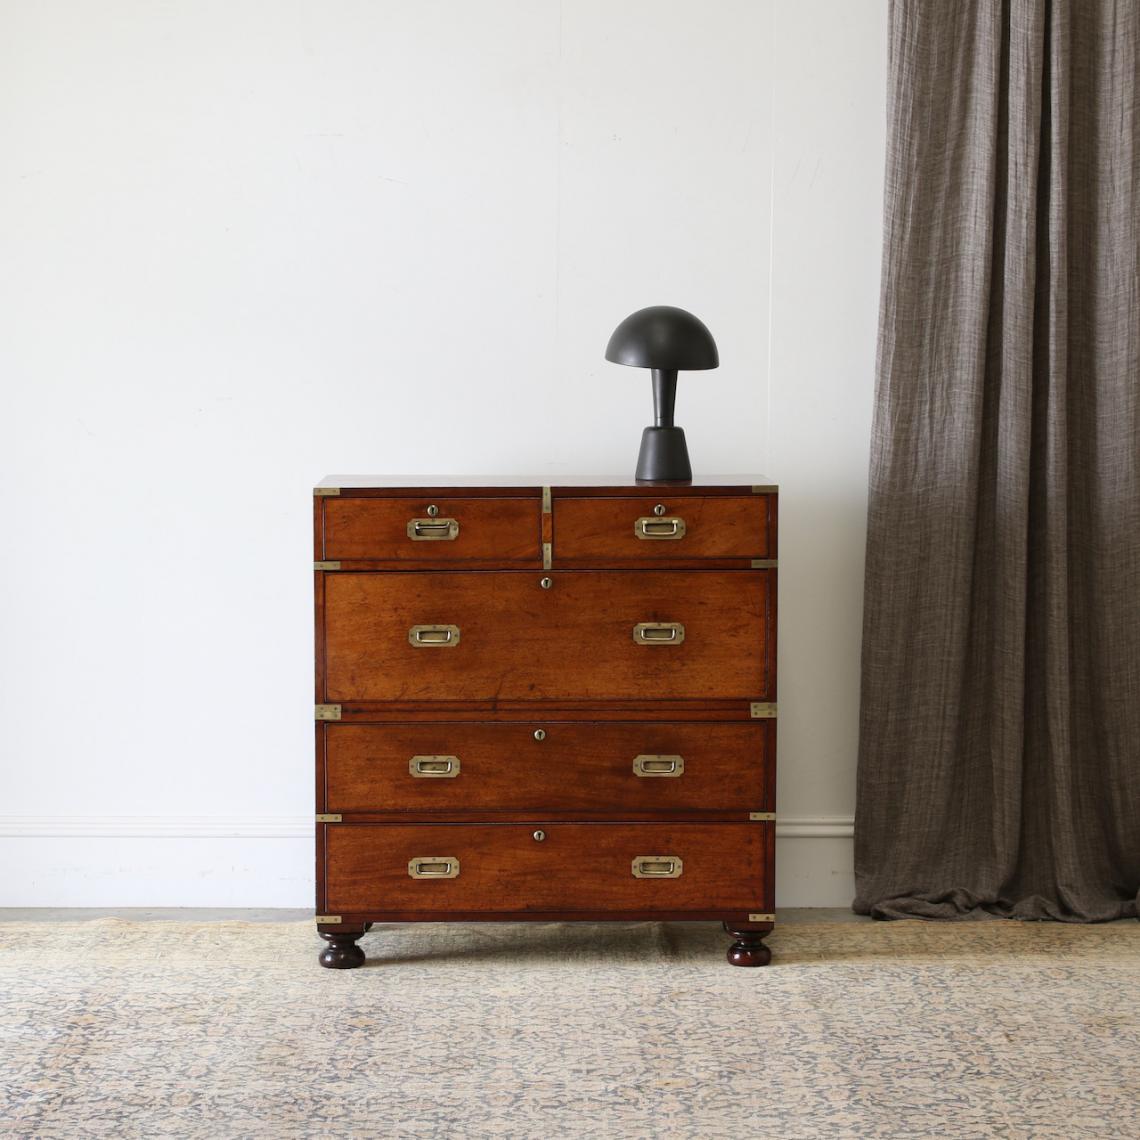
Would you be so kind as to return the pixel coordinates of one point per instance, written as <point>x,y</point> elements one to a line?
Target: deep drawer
<point>595,767</point>
<point>505,636</point>
<point>655,528</point>
<point>445,529</point>
<point>577,866</point>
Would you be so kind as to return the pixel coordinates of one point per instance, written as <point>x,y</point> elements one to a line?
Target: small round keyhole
<point>540,734</point>
<point>432,511</point>
<point>539,836</point>
<point>546,583</point>
<point>659,510</point>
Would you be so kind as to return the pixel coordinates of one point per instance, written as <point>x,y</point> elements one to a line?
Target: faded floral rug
<point>905,1029</point>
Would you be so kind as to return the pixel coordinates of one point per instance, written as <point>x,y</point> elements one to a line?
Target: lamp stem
<point>664,396</point>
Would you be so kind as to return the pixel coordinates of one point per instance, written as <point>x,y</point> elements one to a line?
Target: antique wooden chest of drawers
<point>545,702</point>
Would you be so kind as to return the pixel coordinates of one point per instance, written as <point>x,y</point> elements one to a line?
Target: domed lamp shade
<point>665,340</point>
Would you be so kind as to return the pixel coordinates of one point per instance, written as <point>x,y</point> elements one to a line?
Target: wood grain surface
<point>520,641</point>
<point>586,767</point>
<point>576,866</point>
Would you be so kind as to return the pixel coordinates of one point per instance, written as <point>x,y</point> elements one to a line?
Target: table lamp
<point>666,340</point>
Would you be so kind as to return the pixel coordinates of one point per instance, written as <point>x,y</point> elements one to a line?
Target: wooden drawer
<point>404,530</point>
<point>617,768</point>
<point>504,636</point>
<point>633,528</point>
<point>577,866</point>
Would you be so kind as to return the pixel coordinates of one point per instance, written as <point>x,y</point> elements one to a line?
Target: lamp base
<point>664,456</point>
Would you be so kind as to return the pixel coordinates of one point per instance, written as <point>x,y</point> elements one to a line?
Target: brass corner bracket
<point>327,712</point>
<point>762,709</point>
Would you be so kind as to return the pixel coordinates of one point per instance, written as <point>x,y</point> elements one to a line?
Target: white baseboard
<point>286,826</point>
<point>214,861</point>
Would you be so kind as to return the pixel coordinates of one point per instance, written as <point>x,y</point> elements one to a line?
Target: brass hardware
<point>659,633</point>
<point>324,492</point>
<point>765,489</point>
<point>547,557</point>
<point>539,836</point>
<point>433,530</point>
<point>432,511</point>
<point>658,765</point>
<point>540,734</point>
<point>761,918</point>
<point>327,712</point>
<point>764,563</point>
<point>764,815</point>
<point>762,709</point>
<point>646,527</point>
<point>659,510</point>
<point>546,500</point>
<point>657,867</point>
<point>434,867</point>
<point>434,636</point>
<point>328,819</point>
<point>328,919</point>
<point>326,565</point>
<point>437,767</point>
<point>546,583</point>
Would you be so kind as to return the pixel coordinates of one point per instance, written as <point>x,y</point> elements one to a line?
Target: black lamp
<point>667,340</point>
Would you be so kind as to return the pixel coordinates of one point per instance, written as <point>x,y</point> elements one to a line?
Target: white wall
<point>243,244</point>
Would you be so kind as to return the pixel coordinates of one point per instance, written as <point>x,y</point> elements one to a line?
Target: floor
<point>219,1024</point>
<point>240,914</point>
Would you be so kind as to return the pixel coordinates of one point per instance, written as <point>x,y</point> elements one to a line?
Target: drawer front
<point>504,635</point>
<point>577,866</point>
<point>638,529</point>
<point>410,530</point>
<point>595,767</point>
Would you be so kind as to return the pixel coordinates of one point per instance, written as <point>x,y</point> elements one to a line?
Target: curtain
<point>999,758</point>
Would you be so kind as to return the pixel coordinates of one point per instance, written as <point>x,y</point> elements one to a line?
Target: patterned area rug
<point>904,1029</point>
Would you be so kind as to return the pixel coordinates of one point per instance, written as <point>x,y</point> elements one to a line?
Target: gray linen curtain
<point>999,762</point>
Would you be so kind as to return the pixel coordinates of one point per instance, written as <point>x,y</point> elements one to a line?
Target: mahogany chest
<point>545,702</point>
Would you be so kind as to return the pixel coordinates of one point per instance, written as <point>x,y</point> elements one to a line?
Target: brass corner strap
<point>326,565</point>
<point>769,816</point>
<point>762,709</point>
<point>324,492</point>
<point>328,818</point>
<point>761,918</point>
<point>327,712</point>
<point>328,919</point>
<point>765,564</point>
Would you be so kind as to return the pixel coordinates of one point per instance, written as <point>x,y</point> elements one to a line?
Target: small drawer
<point>545,866</point>
<point>660,528</point>
<point>542,766</point>
<point>432,530</point>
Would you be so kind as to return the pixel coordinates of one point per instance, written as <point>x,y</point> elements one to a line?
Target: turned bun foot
<point>749,948</point>
<point>341,953</point>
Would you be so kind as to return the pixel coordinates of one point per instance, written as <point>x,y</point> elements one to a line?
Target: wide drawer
<point>655,528</point>
<point>511,635</point>
<point>546,766</point>
<point>576,866</point>
<point>444,529</point>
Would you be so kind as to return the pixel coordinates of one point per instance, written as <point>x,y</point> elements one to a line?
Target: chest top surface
<point>578,484</point>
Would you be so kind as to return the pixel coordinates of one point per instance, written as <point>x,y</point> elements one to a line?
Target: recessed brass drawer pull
<point>437,636</point>
<point>439,530</point>
<point>434,867</point>
<point>647,527</point>
<point>659,633</point>
<point>658,765</point>
<point>439,767</point>
<point>657,867</point>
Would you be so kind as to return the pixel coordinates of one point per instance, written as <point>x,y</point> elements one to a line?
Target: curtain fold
<point>999,759</point>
